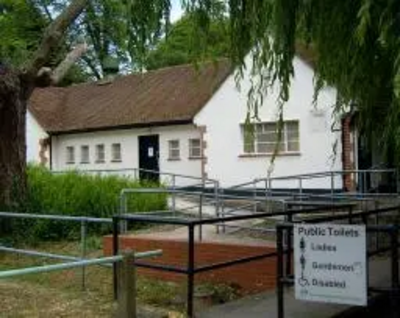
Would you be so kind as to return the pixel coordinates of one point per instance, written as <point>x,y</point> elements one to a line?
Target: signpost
<point>330,263</point>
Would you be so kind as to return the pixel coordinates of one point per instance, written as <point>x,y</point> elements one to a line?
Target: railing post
<point>173,198</point>
<point>289,246</point>
<point>255,196</point>
<point>217,202</point>
<point>332,186</point>
<point>127,286</point>
<point>395,271</point>
<point>279,273</point>
<point>377,236</point>
<point>115,252</point>
<point>123,209</point>
<point>83,251</point>
<point>222,211</point>
<point>350,214</point>
<point>190,272</point>
<point>301,190</point>
<point>201,217</point>
<point>364,176</point>
<point>267,205</point>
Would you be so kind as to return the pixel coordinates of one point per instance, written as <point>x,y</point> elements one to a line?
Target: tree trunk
<point>14,93</point>
<point>15,90</point>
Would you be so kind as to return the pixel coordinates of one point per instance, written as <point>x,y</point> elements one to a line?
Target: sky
<point>176,10</point>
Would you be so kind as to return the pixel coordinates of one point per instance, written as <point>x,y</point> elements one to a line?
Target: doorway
<point>149,147</point>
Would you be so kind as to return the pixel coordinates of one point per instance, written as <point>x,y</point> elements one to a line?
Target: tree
<point>356,42</point>
<point>179,46</point>
<point>18,80</point>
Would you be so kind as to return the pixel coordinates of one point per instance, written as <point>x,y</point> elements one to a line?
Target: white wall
<point>34,133</point>
<point>227,110</point>
<point>130,150</point>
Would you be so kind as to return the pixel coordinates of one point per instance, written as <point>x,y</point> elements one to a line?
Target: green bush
<point>77,194</point>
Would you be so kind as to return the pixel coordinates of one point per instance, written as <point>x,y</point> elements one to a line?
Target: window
<point>70,154</point>
<point>116,153</point>
<point>173,150</point>
<point>100,155</point>
<point>261,138</point>
<point>194,148</point>
<point>84,154</point>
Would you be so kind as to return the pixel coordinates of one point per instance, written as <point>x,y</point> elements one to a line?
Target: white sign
<point>330,263</point>
<point>150,152</point>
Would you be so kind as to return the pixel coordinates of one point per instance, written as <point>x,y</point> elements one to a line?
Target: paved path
<point>264,305</point>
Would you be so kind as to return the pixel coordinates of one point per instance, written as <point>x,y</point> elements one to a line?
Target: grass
<point>59,294</point>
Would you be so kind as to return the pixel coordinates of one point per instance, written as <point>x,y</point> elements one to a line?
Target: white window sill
<point>116,160</point>
<point>195,158</point>
<point>174,159</point>
<point>70,163</point>
<point>262,155</point>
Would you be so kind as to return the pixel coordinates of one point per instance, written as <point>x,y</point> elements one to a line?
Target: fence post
<point>173,195</point>
<point>115,252</point>
<point>217,202</point>
<point>190,273</point>
<point>364,183</point>
<point>83,251</point>
<point>350,214</point>
<point>301,191</point>
<point>395,271</point>
<point>279,273</point>
<point>255,196</point>
<point>201,217</point>
<point>377,236</point>
<point>222,210</point>
<point>127,286</point>
<point>289,246</point>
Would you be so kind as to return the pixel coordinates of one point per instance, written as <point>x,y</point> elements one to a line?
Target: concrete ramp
<point>265,305</point>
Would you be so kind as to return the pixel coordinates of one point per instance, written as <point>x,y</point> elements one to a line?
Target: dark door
<point>148,158</point>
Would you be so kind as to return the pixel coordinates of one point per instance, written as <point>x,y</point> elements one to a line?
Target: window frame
<point>88,154</point>
<point>199,147</point>
<point>70,155</point>
<point>252,148</point>
<point>172,157</point>
<point>98,159</point>
<point>113,157</point>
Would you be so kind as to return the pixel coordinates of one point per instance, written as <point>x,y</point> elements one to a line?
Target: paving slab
<point>265,305</point>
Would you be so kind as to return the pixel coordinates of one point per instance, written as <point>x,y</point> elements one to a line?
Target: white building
<point>185,121</point>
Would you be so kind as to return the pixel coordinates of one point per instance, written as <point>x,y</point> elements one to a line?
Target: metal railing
<point>74,264</point>
<point>169,179</point>
<point>366,182</point>
<point>190,270</point>
<point>123,265</point>
<point>285,276</point>
<point>83,220</point>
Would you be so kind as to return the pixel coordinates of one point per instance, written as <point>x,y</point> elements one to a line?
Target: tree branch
<point>54,34</point>
<point>62,69</point>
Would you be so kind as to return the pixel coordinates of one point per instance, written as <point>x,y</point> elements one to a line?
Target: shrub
<point>77,194</point>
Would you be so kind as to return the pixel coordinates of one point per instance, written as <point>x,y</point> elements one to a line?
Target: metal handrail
<point>172,174</point>
<point>328,173</point>
<point>81,263</point>
<point>55,217</point>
